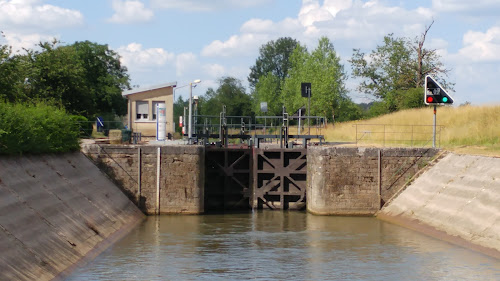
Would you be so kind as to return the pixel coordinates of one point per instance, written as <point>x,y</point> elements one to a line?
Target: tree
<point>57,75</point>
<point>85,78</point>
<point>388,68</point>
<point>268,90</point>
<point>229,93</point>
<point>104,75</point>
<point>12,76</point>
<point>274,58</point>
<point>269,72</point>
<point>428,61</point>
<point>395,71</point>
<point>322,68</point>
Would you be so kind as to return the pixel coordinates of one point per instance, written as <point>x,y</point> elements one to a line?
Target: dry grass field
<point>465,129</point>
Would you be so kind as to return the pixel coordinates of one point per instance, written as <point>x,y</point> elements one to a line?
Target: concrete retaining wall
<point>176,186</point>
<point>458,200</point>
<point>357,181</point>
<point>56,211</point>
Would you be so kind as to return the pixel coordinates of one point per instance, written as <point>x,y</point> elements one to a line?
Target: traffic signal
<point>435,93</point>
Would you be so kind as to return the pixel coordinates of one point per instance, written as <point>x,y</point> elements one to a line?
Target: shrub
<point>85,126</point>
<point>36,128</point>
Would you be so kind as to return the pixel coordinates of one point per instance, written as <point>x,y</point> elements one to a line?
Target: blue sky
<point>163,41</point>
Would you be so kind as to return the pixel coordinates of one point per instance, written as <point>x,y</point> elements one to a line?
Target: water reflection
<point>284,246</point>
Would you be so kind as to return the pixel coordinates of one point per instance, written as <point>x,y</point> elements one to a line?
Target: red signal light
<point>430,99</point>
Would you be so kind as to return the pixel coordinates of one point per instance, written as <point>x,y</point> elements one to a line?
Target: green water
<point>278,245</point>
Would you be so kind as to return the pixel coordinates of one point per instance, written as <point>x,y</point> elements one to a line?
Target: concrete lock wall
<point>159,179</point>
<point>56,211</point>
<point>357,181</point>
<point>456,200</point>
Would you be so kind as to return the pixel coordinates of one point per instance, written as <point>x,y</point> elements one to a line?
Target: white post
<point>158,162</point>
<point>190,113</point>
<point>190,118</point>
<point>161,122</point>
<point>184,123</point>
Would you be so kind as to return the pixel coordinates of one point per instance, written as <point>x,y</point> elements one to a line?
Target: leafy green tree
<point>394,72</point>
<point>268,90</point>
<point>274,58</point>
<point>12,75</point>
<point>57,75</point>
<point>85,78</point>
<point>269,72</point>
<point>387,70</point>
<point>229,93</point>
<point>322,68</point>
<point>104,76</point>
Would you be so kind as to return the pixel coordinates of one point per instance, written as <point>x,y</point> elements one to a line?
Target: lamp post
<point>190,113</point>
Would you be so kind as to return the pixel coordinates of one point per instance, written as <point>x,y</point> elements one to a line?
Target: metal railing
<point>89,129</point>
<point>409,135</point>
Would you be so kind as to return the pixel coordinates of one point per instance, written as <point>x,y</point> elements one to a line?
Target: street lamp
<point>190,113</point>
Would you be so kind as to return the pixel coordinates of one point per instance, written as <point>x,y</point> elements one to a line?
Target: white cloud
<point>138,59</point>
<point>335,6</point>
<point>474,83</point>
<point>185,63</point>
<point>360,22</point>
<point>130,12</point>
<point>312,12</point>
<point>369,21</point>
<point>205,6</point>
<point>466,5</point>
<point>257,26</point>
<point>481,46</point>
<point>17,14</point>
<point>214,70</point>
<point>26,41</point>
<point>236,45</point>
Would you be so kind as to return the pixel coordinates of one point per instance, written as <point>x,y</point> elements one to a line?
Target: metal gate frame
<point>279,178</point>
<point>228,178</point>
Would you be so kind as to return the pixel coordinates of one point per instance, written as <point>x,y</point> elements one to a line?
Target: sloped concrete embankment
<point>457,200</point>
<point>56,211</point>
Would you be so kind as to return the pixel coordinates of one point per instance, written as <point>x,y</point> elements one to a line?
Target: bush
<point>85,126</point>
<point>37,128</point>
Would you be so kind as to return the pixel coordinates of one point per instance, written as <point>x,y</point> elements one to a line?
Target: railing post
<point>383,144</point>
<point>139,176</point>
<point>411,135</point>
<point>356,128</point>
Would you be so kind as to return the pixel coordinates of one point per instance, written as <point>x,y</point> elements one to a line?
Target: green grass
<point>465,128</point>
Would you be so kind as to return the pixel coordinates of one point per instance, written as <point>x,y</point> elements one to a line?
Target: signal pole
<point>435,94</point>
<point>434,128</point>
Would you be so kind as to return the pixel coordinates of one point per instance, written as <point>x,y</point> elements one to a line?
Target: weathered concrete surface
<point>458,199</point>
<point>56,211</point>
<point>180,181</point>
<point>357,181</point>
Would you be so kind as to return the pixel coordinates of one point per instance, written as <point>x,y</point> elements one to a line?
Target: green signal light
<point>445,99</point>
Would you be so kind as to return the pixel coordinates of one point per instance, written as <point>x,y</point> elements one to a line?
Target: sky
<point>162,41</point>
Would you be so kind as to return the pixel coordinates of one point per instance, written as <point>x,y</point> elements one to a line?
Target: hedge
<point>37,128</point>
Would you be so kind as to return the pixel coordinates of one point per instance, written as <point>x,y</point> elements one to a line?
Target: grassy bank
<point>474,129</point>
